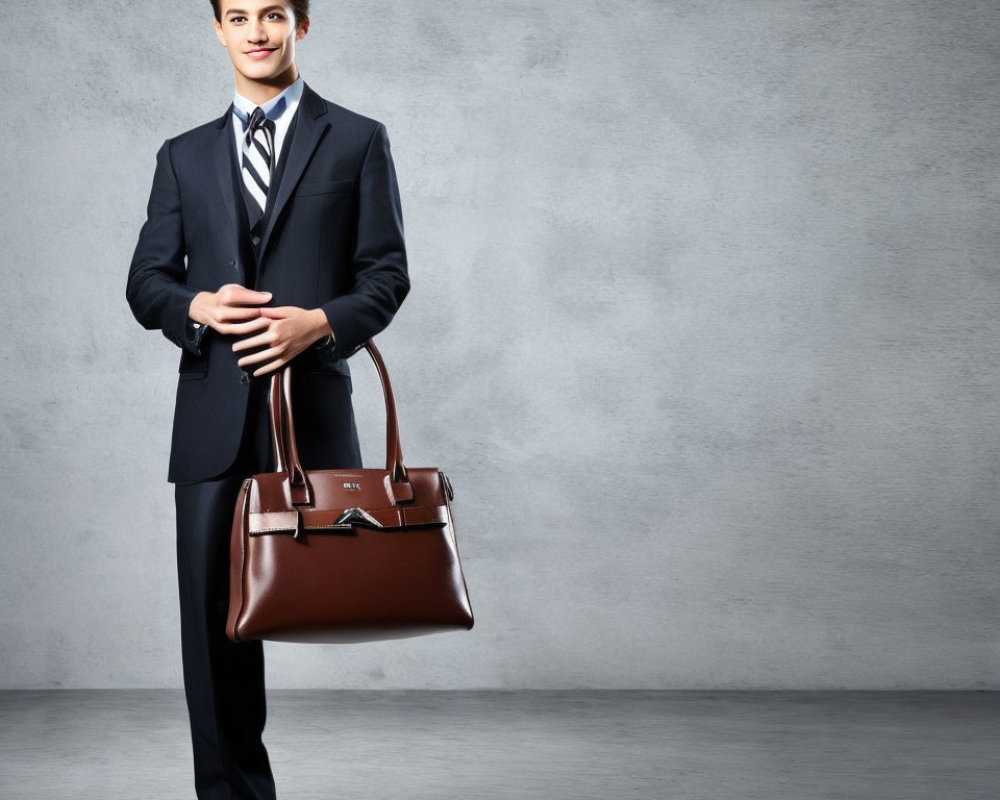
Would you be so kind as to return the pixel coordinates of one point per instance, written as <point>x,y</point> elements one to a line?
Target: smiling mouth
<point>261,51</point>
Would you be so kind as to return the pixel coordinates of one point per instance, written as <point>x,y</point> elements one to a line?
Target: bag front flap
<point>347,499</point>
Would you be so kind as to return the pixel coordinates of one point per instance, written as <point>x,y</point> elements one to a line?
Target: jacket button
<point>245,376</point>
<point>255,240</point>
<point>232,262</point>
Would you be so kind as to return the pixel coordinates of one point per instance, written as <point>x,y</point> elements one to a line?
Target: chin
<point>260,74</point>
<point>264,71</point>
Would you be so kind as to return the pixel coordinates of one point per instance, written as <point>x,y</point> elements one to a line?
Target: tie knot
<point>256,119</point>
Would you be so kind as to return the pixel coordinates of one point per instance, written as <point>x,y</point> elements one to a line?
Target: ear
<point>302,28</point>
<point>220,34</point>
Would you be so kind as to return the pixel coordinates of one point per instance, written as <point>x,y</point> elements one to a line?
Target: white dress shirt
<point>280,109</point>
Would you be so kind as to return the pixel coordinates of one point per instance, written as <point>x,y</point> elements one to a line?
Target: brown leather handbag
<point>343,555</point>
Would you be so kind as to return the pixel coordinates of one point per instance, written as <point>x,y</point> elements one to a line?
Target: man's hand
<point>289,331</point>
<point>233,309</point>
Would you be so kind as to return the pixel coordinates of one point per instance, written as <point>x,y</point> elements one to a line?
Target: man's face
<point>260,36</point>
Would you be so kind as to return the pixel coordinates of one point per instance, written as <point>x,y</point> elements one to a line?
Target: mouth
<point>260,52</point>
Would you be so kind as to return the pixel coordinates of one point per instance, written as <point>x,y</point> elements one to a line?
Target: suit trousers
<point>223,680</point>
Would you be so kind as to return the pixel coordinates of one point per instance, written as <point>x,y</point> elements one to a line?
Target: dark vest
<point>249,238</point>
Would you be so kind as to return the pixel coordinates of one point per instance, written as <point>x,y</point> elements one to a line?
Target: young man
<point>273,235</point>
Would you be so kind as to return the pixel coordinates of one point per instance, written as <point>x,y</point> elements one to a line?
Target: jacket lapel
<point>308,131</point>
<point>223,156</point>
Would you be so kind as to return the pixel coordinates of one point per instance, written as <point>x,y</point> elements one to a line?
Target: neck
<point>260,92</point>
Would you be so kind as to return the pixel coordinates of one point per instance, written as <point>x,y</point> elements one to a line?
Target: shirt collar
<point>274,108</point>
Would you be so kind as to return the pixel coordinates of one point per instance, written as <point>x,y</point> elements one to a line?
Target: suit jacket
<point>332,239</point>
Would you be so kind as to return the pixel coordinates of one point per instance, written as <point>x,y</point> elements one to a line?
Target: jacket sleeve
<point>380,272</point>
<point>156,289</point>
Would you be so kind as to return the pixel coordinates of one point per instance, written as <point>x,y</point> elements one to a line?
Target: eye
<point>275,15</point>
<point>237,20</point>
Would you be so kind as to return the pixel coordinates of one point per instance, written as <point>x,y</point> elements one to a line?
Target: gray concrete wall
<point>704,327</point>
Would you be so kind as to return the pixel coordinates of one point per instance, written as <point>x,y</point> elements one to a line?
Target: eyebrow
<point>247,13</point>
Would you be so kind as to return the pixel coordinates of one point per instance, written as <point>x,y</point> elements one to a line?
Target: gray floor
<point>551,745</point>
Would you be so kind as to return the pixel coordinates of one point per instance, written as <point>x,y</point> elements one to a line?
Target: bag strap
<point>286,451</point>
<point>393,447</point>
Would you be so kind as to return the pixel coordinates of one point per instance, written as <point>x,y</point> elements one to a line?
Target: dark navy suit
<point>331,238</point>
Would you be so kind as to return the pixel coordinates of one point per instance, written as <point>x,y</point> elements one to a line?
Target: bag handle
<point>286,452</point>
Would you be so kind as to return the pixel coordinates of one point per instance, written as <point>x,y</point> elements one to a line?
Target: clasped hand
<point>276,335</point>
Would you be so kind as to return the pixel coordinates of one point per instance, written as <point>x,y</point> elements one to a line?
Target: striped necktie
<point>258,162</point>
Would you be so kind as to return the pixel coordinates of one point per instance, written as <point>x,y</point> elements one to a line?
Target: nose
<point>257,32</point>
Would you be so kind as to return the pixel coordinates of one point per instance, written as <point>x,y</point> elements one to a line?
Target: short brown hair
<point>299,7</point>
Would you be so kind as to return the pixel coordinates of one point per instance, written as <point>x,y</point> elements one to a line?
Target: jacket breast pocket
<point>325,187</point>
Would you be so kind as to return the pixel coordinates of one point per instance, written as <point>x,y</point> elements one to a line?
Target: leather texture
<point>343,555</point>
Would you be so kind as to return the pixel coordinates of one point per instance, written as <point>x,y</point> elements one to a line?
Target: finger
<point>277,312</point>
<point>234,294</point>
<point>259,357</point>
<point>265,339</point>
<point>237,313</point>
<point>244,328</point>
<point>271,367</point>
